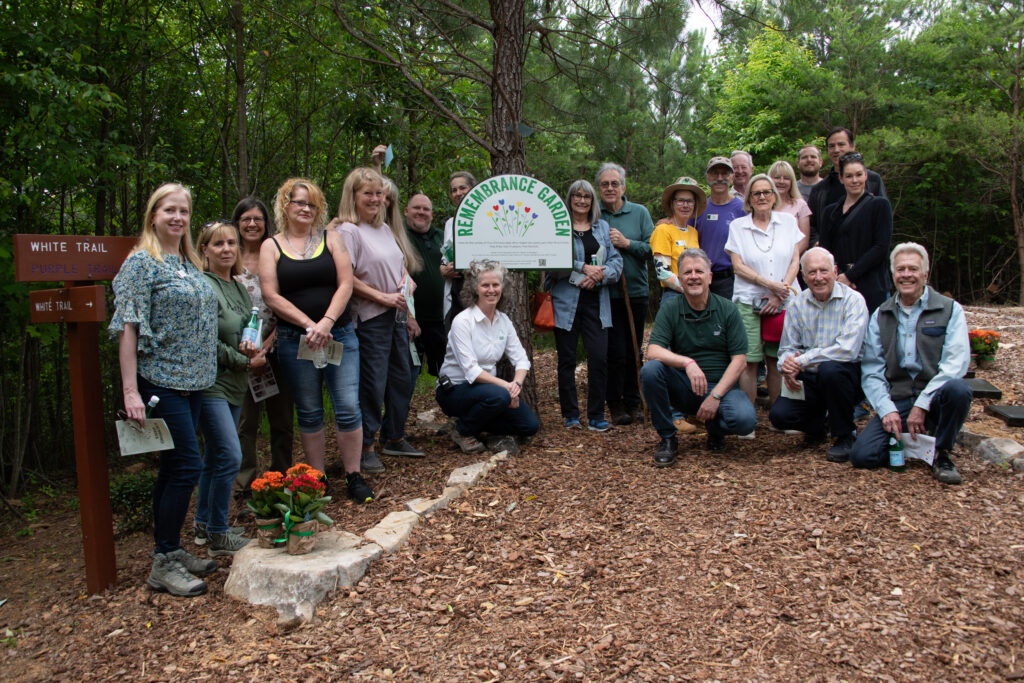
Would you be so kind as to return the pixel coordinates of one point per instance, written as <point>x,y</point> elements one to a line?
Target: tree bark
<point>241,92</point>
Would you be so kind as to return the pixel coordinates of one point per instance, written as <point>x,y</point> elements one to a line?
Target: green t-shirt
<point>233,310</point>
<point>429,283</point>
<point>711,337</point>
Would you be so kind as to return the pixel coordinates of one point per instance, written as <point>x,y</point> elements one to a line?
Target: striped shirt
<point>819,331</point>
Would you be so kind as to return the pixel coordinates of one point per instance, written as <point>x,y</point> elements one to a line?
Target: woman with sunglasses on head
<point>306,279</point>
<point>253,221</point>
<point>582,307</point>
<point>222,403</point>
<point>765,249</point>
<point>857,231</point>
<point>468,387</point>
<point>790,199</point>
<point>682,201</point>
<point>166,323</point>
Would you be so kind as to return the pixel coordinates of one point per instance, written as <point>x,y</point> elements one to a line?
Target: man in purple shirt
<point>713,224</point>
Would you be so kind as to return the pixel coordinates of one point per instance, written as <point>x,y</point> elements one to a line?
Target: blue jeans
<point>484,408</point>
<point>949,408</point>
<point>179,467</point>
<point>666,388</point>
<point>384,376</point>
<point>219,423</point>
<point>306,382</point>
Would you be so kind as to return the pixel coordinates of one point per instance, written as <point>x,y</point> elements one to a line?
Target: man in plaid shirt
<point>819,358</point>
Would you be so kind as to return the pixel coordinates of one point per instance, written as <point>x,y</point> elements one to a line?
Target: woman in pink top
<point>791,201</point>
<point>381,314</point>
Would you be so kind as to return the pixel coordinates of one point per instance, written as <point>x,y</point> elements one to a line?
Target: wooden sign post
<point>78,260</point>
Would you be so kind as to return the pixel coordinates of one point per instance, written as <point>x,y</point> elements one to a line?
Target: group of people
<point>360,301</point>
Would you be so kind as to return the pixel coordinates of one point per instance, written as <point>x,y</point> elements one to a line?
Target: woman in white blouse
<point>765,250</point>
<point>468,387</point>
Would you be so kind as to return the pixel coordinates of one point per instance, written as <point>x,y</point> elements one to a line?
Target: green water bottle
<point>251,332</point>
<point>896,460</point>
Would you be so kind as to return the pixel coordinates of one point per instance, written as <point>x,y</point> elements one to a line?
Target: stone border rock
<point>996,450</point>
<point>295,584</point>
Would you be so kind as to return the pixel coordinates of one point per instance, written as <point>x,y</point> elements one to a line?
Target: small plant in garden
<point>984,342</point>
<point>131,499</point>
<point>304,490</point>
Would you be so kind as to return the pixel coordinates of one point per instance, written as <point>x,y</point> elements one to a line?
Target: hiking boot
<point>370,463</point>
<point>226,544</point>
<point>620,416</point>
<point>358,489</point>
<point>637,415</point>
<point>840,451</point>
<point>467,442</point>
<point>170,576</point>
<point>665,456</point>
<point>202,538</point>
<point>814,439</point>
<point>401,447</point>
<point>716,443</point>
<point>193,564</point>
<point>599,425</point>
<point>943,469</point>
<point>497,444</point>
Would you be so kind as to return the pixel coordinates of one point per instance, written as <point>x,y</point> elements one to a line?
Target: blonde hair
<point>784,168</point>
<point>148,240</point>
<point>354,182</point>
<point>211,231</point>
<point>284,195</point>
<point>393,217</point>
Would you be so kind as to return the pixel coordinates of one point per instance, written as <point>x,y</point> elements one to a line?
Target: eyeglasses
<point>581,195</point>
<point>255,220</point>
<point>609,183</point>
<point>762,193</point>
<point>685,202</point>
<point>303,205</point>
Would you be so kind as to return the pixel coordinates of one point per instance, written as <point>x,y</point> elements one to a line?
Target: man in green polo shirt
<point>419,214</point>
<point>695,355</point>
<point>631,229</point>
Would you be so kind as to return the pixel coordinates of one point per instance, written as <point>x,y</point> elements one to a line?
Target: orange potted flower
<point>983,346</point>
<point>267,492</point>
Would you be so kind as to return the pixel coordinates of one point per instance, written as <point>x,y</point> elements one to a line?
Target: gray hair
<point>750,185</point>
<point>476,270</point>
<point>693,252</point>
<point>584,186</point>
<point>816,251</point>
<point>610,166</point>
<point>912,247</point>
<point>739,152</point>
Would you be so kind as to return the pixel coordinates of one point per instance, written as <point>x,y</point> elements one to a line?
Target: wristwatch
<point>716,396</point>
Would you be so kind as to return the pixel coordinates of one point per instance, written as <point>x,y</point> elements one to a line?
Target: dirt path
<point>578,560</point>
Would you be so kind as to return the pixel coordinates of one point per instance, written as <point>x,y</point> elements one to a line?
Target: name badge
<point>712,216</point>
<point>680,243</point>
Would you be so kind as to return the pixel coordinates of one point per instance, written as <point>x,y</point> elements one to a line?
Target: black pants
<point>834,390</point>
<point>432,342</point>
<point>587,323</point>
<point>722,282</point>
<point>623,384</point>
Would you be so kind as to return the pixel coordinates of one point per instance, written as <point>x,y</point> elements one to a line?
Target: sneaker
<point>370,463</point>
<point>401,447</point>
<point>749,436</point>
<point>202,538</point>
<point>467,442</point>
<point>497,444</point>
<point>573,423</point>
<point>226,544</point>
<point>943,469</point>
<point>358,489</point>
<point>191,563</point>
<point>170,576</point>
<point>716,444</point>
<point>599,425</point>
<point>665,456</point>
<point>862,410</point>
<point>840,451</point>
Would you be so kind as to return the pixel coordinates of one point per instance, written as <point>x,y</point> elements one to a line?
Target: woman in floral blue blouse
<point>166,322</point>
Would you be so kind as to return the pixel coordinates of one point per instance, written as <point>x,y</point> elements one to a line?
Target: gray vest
<point>931,337</point>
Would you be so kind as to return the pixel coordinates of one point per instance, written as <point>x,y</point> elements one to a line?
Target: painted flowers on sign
<point>511,218</point>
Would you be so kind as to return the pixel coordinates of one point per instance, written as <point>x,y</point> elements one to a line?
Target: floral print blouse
<point>174,309</point>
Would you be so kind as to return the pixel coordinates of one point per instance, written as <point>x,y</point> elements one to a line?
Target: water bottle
<point>319,355</point>
<point>251,332</point>
<point>151,406</point>
<point>896,460</point>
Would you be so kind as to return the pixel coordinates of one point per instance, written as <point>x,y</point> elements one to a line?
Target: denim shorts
<point>306,381</point>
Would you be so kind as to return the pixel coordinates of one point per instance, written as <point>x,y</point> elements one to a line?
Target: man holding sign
<point>916,352</point>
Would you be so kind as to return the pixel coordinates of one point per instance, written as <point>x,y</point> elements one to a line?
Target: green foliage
<point>131,499</point>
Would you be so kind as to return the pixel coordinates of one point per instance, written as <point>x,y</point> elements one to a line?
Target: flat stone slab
<point>982,388</point>
<point>393,531</point>
<point>1000,450</point>
<point>1013,416</point>
<point>428,506</point>
<point>295,584</point>
<point>969,374</point>
<point>470,474</point>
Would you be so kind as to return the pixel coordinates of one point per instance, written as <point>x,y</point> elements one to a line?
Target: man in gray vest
<point>916,352</point>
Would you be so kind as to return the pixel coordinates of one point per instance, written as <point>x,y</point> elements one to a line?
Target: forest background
<point>102,101</point>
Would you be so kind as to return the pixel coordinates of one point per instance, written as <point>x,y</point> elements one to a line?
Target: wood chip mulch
<point>579,560</point>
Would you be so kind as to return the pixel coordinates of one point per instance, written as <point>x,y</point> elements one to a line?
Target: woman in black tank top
<point>306,278</point>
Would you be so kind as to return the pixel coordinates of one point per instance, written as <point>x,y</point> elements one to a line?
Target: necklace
<point>754,234</point>
<point>307,248</point>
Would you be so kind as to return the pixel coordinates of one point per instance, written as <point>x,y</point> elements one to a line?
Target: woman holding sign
<point>306,279</point>
<point>166,323</point>
<point>582,306</point>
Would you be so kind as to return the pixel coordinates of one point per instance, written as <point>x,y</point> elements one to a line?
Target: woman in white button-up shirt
<point>468,386</point>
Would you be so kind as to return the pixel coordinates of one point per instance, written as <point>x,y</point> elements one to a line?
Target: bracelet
<point>333,320</point>
<point>716,396</point>
<point>686,365</point>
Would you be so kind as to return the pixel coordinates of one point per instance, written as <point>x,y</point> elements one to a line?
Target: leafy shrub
<point>131,499</point>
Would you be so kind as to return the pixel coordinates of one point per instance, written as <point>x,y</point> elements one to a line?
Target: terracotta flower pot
<point>268,530</point>
<point>302,537</point>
